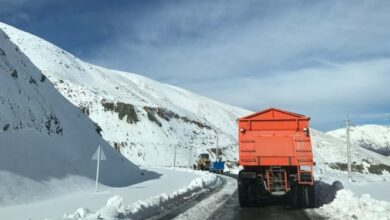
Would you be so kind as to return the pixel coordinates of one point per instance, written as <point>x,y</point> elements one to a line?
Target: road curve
<point>209,205</point>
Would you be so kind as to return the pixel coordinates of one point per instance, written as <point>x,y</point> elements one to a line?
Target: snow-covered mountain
<point>372,137</point>
<point>46,143</point>
<point>145,120</point>
<point>331,152</point>
<point>148,121</point>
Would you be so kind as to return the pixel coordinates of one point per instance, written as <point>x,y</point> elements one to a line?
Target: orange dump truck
<point>276,154</point>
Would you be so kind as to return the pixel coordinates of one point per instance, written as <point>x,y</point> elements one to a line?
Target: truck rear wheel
<point>303,196</point>
<point>243,194</point>
<point>312,197</point>
<point>252,193</point>
<point>308,197</point>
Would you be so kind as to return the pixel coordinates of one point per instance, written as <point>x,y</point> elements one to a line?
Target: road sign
<point>96,154</point>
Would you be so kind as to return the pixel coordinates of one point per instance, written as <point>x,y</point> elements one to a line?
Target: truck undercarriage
<point>258,185</point>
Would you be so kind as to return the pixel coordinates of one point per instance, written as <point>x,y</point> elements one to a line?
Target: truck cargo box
<point>276,154</point>
<point>275,137</point>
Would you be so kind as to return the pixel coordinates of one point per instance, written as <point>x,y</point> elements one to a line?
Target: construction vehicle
<point>203,162</point>
<point>276,155</point>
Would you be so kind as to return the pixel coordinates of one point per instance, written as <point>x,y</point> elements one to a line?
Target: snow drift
<point>349,206</point>
<point>115,208</point>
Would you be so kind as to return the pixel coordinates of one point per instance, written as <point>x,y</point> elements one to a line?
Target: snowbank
<point>349,206</point>
<point>142,209</point>
<point>233,170</point>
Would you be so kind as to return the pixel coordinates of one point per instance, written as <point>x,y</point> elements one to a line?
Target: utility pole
<point>216,147</point>
<point>387,133</point>
<point>190,165</point>
<point>348,129</point>
<point>174,157</point>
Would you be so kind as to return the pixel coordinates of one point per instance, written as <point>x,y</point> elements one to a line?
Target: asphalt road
<point>219,205</point>
<point>232,210</point>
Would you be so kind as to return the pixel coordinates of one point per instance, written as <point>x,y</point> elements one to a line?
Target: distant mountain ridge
<point>372,137</point>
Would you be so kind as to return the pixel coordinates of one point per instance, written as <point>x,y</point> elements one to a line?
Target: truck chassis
<point>256,186</point>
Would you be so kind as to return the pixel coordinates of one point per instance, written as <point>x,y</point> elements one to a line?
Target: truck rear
<point>217,166</point>
<point>276,154</point>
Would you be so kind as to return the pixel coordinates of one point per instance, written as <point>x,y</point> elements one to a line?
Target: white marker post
<point>98,155</point>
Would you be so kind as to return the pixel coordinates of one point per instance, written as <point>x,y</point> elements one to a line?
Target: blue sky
<point>325,59</point>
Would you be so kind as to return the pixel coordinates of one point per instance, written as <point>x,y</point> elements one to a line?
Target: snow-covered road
<point>208,206</point>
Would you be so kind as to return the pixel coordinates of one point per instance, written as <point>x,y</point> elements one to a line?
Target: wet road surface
<point>232,210</point>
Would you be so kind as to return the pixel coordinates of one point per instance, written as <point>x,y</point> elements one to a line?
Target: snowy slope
<point>372,137</point>
<point>144,119</point>
<point>331,149</point>
<point>46,143</point>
